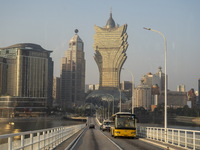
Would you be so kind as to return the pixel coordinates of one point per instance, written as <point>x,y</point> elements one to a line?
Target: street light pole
<point>133,87</point>
<point>165,49</point>
<point>108,100</point>
<point>113,104</point>
<point>113,99</point>
<point>120,100</point>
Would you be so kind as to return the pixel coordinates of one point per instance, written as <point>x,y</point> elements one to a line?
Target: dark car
<point>91,126</point>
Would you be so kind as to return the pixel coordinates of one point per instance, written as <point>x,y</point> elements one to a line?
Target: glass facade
<point>73,74</point>
<point>27,80</point>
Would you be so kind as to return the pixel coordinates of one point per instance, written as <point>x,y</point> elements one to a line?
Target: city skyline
<point>51,25</point>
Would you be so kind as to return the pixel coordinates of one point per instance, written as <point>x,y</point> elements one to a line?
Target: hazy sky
<point>51,24</point>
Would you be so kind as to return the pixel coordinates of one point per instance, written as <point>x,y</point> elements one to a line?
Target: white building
<point>142,96</point>
<point>181,88</point>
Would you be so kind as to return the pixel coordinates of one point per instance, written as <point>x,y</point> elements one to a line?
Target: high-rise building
<point>192,98</point>
<point>142,96</point>
<point>73,74</point>
<point>110,45</point>
<point>181,88</point>
<point>126,85</point>
<point>155,79</point>
<point>50,82</point>
<point>56,92</point>
<point>161,76</point>
<point>199,91</point>
<point>3,76</point>
<point>28,78</point>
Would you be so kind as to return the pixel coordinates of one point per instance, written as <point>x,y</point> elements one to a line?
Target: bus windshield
<point>125,122</point>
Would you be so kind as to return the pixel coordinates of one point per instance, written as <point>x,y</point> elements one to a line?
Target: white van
<point>106,125</point>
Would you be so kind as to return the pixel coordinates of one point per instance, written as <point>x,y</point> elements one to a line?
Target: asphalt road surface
<point>95,139</point>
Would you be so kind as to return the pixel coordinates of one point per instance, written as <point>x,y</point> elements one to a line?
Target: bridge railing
<point>38,139</point>
<point>189,139</point>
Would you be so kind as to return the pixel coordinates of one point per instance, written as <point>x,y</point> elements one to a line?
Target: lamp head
<point>147,28</point>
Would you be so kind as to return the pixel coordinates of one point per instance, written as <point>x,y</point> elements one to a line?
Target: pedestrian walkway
<point>162,144</point>
<point>66,143</point>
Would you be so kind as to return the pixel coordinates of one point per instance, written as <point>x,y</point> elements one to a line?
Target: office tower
<point>126,85</point>
<point>192,98</point>
<point>56,92</point>
<point>110,45</point>
<point>181,88</point>
<point>142,96</point>
<point>50,82</point>
<point>199,91</point>
<point>155,79</point>
<point>161,76</point>
<point>3,76</point>
<point>155,93</point>
<point>73,74</point>
<point>28,78</point>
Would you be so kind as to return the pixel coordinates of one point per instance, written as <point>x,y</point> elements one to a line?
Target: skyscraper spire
<point>110,23</point>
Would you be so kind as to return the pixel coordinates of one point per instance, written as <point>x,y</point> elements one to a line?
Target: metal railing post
<point>47,137</point>
<point>178,137</point>
<point>185,139</point>
<point>10,143</point>
<point>194,147</point>
<point>167,135</point>
<point>22,142</point>
<point>44,138</point>
<point>31,140</point>
<point>172,136</point>
<point>38,139</point>
<point>157,134</point>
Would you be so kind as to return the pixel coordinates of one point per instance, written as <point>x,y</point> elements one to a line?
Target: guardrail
<point>189,139</point>
<point>39,139</point>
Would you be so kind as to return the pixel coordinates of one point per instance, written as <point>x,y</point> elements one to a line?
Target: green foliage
<point>157,116</point>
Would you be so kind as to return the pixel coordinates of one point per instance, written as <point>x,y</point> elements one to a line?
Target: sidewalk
<point>162,144</point>
<point>64,144</point>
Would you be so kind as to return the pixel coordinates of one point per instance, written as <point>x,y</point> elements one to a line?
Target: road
<point>95,139</point>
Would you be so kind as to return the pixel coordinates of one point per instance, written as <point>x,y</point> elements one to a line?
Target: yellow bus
<point>124,125</point>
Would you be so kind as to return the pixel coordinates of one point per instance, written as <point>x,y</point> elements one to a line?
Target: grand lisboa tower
<point>110,45</point>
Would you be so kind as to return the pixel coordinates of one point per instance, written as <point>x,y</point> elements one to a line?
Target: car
<point>91,126</point>
<point>106,125</point>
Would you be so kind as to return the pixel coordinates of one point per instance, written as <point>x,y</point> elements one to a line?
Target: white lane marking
<point>75,141</point>
<point>160,145</point>
<point>112,142</point>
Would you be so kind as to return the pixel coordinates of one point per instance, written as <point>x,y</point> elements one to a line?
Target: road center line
<point>75,141</point>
